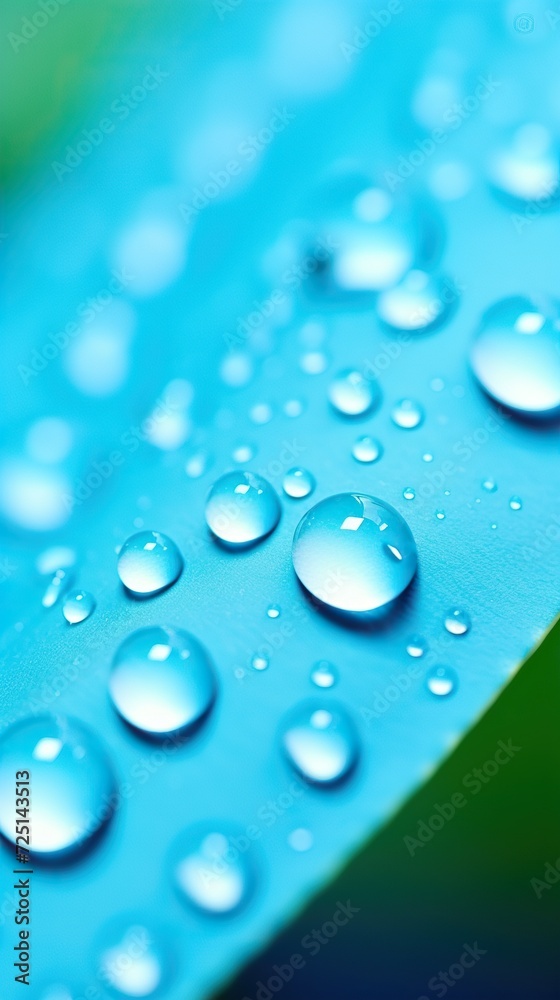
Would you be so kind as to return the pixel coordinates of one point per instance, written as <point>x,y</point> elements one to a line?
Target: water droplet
<point>490,485</point>
<point>243,453</point>
<point>527,170</point>
<point>134,962</point>
<point>301,839</point>
<point>55,557</point>
<point>293,408</point>
<point>494,526</point>
<point>61,581</point>
<point>408,493</point>
<point>197,464</point>
<point>407,413</point>
<point>149,562</point>
<point>366,449</point>
<point>211,872</point>
<point>457,621</point>
<point>320,742</point>
<point>298,483</point>
<point>273,611</point>
<point>440,514</point>
<point>352,394</point>
<point>420,302</point>
<point>516,503</point>
<point>427,457</point>
<point>313,362</point>
<point>354,552</point>
<point>260,662</point>
<point>162,681</point>
<point>441,681</point>
<point>261,413</point>
<point>437,385</point>
<point>516,357</point>
<point>78,605</point>
<point>242,508</point>
<point>416,646</point>
<point>72,782</point>
<point>324,674</point>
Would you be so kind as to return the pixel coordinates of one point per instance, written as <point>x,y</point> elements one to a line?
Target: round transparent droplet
<point>408,414</point>
<point>408,493</point>
<point>354,552</point>
<point>300,839</point>
<point>78,605</point>
<point>324,674</point>
<point>243,453</point>
<point>72,782</point>
<point>490,485</point>
<point>516,357</point>
<point>242,508</point>
<point>149,562</point>
<point>353,395</point>
<point>162,681</point>
<point>419,303</point>
<point>516,503</point>
<point>210,872</point>
<point>441,681</point>
<point>457,621</point>
<point>427,457</point>
<point>298,483</point>
<point>259,662</point>
<point>273,611</point>
<point>135,961</point>
<point>320,742</point>
<point>366,449</point>
<point>527,169</point>
<point>416,646</point>
<point>440,514</point>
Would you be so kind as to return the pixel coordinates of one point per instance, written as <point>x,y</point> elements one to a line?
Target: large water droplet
<point>211,871</point>
<point>352,394</point>
<point>78,605</point>
<point>298,483</point>
<point>354,552</point>
<point>149,562</point>
<point>408,414</point>
<point>366,449</point>
<point>528,170</point>
<point>242,508</point>
<point>421,302</point>
<point>457,621</point>
<point>441,681</point>
<point>516,357</point>
<point>320,742</point>
<point>162,680</point>
<point>72,783</point>
<point>135,961</point>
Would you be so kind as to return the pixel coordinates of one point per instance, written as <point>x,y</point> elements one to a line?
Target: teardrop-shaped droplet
<point>321,742</point>
<point>78,605</point>
<point>354,552</point>
<point>149,562</point>
<point>441,681</point>
<point>352,394</point>
<point>298,483</point>
<point>324,674</point>
<point>516,357</point>
<point>162,681</point>
<point>71,782</point>
<point>210,870</point>
<point>528,169</point>
<point>457,621</point>
<point>366,449</point>
<point>419,303</point>
<point>408,414</point>
<point>242,508</point>
<point>134,960</point>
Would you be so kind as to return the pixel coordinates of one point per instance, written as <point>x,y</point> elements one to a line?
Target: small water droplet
<point>354,552</point>
<point>61,581</point>
<point>72,782</point>
<point>261,413</point>
<point>210,871</point>
<point>494,526</point>
<point>293,408</point>
<point>420,302</point>
<point>242,508</point>
<point>149,562</point>
<point>437,385</point>
<point>298,483</point>
<point>134,962</point>
<point>408,414</point>
<point>324,674</point>
<point>162,681</point>
<point>416,646</point>
<point>490,485</point>
<point>78,605</point>
<point>527,169</point>
<point>300,839</point>
<point>273,611</point>
<point>243,453</point>
<point>320,742</point>
<point>259,662</point>
<point>313,362</point>
<point>441,681</point>
<point>366,449</point>
<point>516,503</point>
<point>408,493</point>
<point>440,514</point>
<point>457,621</point>
<point>353,395</point>
<point>427,457</point>
<point>197,464</point>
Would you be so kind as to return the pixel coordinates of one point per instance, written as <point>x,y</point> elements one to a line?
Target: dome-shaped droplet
<point>420,302</point>
<point>134,960</point>
<point>260,662</point>
<point>324,674</point>
<point>162,680</point>
<point>321,742</point>
<point>441,681</point>
<point>352,394</point>
<point>516,503</point>
<point>300,839</point>
<point>408,493</point>
<point>78,605</point>
<point>416,646</point>
<point>527,170</point>
<point>354,552</point>
<point>516,357</point>
<point>298,483</point>
<point>457,621</point>
<point>408,414</point>
<point>72,783</point>
<point>242,508</point>
<point>273,611</point>
<point>366,449</point>
<point>210,870</point>
<point>490,485</point>
<point>149,562</point>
